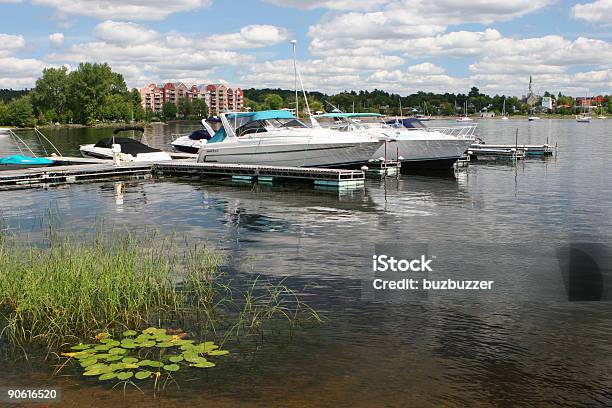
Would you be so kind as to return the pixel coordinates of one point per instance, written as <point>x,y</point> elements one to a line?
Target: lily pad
<point>81,346</point>
<point>147,343</point>
<point>114,357</point>
<point>172,367</point>
<point>206,364</point>
<point>102,347</point>
<point>129,333</point>
<point>218,352</point>
<point>176,359</point>
<point>150,363</point>
<point>130,360</point>
<point>117,350</point>
<point>141,375</point>
<point>88,361</point>
<point>107,376</point>
<point>124,375</point>
<point>165,344</point>
<point>94,372</point>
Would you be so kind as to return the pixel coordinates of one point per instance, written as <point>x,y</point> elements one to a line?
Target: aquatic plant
<point>146,355</point>
<point>67,290</point>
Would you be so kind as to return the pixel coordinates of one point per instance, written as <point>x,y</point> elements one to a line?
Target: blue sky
<point>397,45</point>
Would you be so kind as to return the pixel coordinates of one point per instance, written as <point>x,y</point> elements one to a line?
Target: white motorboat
<point>192,142</point>
<point>532,118</point>
<point>583,118</point>
<point>416,146</point>
<point>277,138</point>
<point>131,149</point>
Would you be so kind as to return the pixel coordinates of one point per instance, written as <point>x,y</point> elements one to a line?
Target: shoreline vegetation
<point>65,291</point>
<point>95,95</point>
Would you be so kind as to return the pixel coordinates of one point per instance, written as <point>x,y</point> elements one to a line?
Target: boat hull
<point>186,149</point>
<point>344,155</point>
<point>425,154</point>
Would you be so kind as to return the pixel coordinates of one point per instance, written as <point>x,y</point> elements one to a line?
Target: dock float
<point>481,152</point>
<point>528,149</point>
<point>45,176</point>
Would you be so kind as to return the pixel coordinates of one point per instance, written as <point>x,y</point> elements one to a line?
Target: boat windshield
<point>260,126</point>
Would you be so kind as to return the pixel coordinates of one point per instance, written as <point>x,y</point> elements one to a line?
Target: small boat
<point>465,117</point>
<point>18,161</point>
<point>583,118</point>
<point>602,117</point>
<point>532,118</point>
<point>277,138</point>
<point>131,149</point>
<point>504,115</point>
<point>193,142</point>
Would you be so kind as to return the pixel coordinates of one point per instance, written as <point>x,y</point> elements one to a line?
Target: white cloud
<point>56,40</point>
<point>10,43</point>
<point>330,4</point>
<point>252,36</point>
<point>114,32</point>
<point>18,72</point>
<point>599,11</point>
<point>124,9</point>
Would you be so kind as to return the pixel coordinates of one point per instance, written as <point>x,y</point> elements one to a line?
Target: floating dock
<point>45,176</point>
<point>529,150</point>
<point>480,152</point>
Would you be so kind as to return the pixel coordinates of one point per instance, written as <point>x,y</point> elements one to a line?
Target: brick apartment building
<point>218,97</point>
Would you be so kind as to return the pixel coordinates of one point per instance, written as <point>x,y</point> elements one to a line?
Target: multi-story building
<point>219,97</point>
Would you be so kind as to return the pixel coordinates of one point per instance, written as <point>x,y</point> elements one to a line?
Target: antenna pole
<point>295,82</point>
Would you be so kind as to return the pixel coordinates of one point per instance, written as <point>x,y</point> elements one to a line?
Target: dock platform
<point>481,152</point>
<point>528,149</point>
<point>45,176</point>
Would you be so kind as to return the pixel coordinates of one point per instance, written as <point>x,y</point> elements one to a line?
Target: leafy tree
<point>51,92</point>
<point>4,118</point>
<point>91,85</point>
<point>200,108</point>
<point>20,112</point>
<point>169,110</point>
<point>184,107</point>
<point>136,100</point>
<point>274,101</point>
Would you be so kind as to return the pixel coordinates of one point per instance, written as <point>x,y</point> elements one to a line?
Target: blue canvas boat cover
<point>25,160</point>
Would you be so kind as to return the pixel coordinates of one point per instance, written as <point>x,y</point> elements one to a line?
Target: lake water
<point>521,344</point>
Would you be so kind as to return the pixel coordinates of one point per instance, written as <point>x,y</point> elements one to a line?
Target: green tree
<point>137,109</point>
<point>249,103</point>
<point>51,92</point>
<point>4,119</point>
<point>90,87</point>
<point>184,107</point>
<point>20,112</point>
<point>116,108</point>
<point>200,108</point>
<point>274,101</point>
<point>169,110</point>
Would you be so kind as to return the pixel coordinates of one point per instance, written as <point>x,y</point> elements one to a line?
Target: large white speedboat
<point>131,149</point>
<point>416,146</point>
<point>277,138</point>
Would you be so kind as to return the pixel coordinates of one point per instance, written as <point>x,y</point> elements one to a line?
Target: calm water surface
<point>522,344</point>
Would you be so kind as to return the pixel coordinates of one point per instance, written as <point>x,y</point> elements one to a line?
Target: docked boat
<point>583,118</point>
<point>131,150</point>
<point>532,118</point>
<point>465,117</point>
<point>277,138</point>
<point>192,142</point>
<point>17,162</point>
<point>416,146</point>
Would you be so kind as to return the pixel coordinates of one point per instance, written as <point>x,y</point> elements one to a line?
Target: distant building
<point>590,100</point>
<point>531,98</point>
<point>547,102</point>
<point>219,98</point>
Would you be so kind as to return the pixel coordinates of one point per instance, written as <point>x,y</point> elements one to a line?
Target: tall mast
<point>297,103</point>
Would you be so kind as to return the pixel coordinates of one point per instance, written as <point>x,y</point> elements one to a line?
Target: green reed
<point>69,290</point>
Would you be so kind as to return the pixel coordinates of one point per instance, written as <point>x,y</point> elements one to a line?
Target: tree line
<point>379,101</point>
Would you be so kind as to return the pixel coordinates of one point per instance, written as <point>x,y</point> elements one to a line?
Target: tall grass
<point>70,290</point>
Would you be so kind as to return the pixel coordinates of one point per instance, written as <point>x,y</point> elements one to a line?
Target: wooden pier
<point>477,152</point>
<point>45,176</point>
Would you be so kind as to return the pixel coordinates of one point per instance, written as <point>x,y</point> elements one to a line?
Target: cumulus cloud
<point>10,43</point>
<point>19,72</point>
<point>599,11</point>
<point>252,36</point>
<point>124,9</point>
<point>114,32</point>
<point>330,4</point>
<point>56,40</point>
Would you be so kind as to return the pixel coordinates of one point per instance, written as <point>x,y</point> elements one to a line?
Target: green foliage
<point>184,107</point>
<point>200,108</point>
<point>50,95</point>
<point>154,353</point>
<point>273,101</point>
<point>169,110</point>
<point>8,94</point>
<point>20,112</point>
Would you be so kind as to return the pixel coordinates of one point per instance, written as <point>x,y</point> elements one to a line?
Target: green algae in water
<point>129,358</point>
